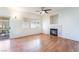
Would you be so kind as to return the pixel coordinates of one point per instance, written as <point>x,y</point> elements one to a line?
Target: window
<point>26,23</point>
<point>35,23</point>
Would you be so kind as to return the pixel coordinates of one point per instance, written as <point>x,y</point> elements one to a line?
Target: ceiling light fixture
<point>43,12</point>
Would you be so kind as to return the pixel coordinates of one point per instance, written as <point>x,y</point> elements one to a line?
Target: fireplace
<point>54,32</point>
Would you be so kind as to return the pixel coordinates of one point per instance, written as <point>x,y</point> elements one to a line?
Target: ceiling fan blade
<point>46,12</point>
<point>43,10</point>
<point>48,9</point>
<point>38,11</point>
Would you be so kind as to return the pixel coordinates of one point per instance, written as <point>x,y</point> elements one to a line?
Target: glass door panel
<point>4,28</point>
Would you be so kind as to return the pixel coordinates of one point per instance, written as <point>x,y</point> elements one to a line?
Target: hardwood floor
<point>43,43</point>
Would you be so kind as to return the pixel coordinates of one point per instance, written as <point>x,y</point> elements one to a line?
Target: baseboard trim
<point>26,36</point>
<point>68,38</point>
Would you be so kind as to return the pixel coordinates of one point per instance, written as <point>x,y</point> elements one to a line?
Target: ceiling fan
<point>43,10</point>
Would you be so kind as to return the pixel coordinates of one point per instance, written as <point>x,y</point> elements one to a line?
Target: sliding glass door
<point>4,28</point>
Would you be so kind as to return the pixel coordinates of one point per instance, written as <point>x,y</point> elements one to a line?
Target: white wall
<point>4,11</point>
<point>46,24</point>
<point>69,19</point>
<point>17,29</point>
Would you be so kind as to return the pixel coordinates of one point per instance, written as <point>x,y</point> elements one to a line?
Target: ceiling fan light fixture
<point>43,12</point>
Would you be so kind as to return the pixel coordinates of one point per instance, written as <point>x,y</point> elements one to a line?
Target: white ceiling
<point>34,9</point>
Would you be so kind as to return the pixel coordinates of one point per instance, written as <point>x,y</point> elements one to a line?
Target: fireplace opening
<point>54,32</point>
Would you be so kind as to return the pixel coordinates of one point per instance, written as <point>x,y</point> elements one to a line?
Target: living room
<point>33,28</point>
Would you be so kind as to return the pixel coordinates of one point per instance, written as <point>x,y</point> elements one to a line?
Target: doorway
<point>4,28</point>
